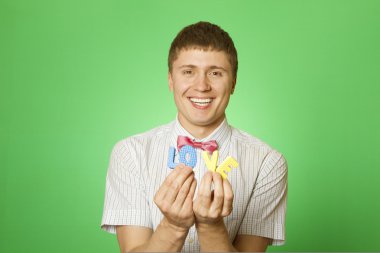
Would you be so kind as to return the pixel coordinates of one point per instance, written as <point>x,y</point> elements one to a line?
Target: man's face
<point>202,82</point>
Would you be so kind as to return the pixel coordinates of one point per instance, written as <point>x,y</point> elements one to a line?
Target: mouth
<point>201,103</point>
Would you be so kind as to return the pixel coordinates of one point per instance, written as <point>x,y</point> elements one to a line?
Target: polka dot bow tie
<point>209,146</point>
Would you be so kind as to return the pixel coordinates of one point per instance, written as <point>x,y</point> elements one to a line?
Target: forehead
<point>201,58</point>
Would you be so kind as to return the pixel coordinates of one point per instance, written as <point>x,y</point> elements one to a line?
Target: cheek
<point>222,89</point>
<point>181,86</point>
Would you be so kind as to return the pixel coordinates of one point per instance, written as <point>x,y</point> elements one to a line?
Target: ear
<point>233,86</point>
<point>170,80</point>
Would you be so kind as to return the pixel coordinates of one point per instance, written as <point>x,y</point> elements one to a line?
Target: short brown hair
<point>206,36</point>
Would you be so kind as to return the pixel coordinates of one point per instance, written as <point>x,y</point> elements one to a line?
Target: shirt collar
<point>221,134</point>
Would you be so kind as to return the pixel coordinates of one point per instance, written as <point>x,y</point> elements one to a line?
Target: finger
<point>183,192</point>
<point>228,198</point>
<point>217,202</point>
<point>204,191</point>
<point>190,196</point>
<point>166,185</point>
<point>172,176</point>
<point>192,190</point>
<point>174,185</point>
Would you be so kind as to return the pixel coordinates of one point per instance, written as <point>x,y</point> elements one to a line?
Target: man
<point>152,207</point>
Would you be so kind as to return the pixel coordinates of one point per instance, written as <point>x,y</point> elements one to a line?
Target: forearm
<point>166,238</point>
<point>214,238</point>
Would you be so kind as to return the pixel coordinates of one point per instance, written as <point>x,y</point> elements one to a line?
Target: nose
<point>202,83</point>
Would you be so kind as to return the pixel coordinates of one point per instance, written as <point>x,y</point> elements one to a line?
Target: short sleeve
<point>125,201</point>
<point>265,215</point>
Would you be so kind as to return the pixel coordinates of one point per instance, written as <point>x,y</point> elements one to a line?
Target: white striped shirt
<point>138,166</point>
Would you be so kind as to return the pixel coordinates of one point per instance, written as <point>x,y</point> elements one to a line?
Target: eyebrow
<point>193,66</point>
<point>187,66</point>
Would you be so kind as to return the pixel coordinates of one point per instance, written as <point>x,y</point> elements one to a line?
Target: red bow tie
<point>209,146</point>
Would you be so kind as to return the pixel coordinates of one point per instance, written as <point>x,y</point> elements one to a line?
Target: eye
<point>187,72</point>
<point>216,73</point>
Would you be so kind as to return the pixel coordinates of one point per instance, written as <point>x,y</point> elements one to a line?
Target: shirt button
<point>191,240</point>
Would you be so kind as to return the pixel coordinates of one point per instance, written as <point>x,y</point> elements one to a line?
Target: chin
<point>201,119</point>
<point>204,123</point>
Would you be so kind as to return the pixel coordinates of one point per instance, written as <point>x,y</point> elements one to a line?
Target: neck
<point>200,131</point>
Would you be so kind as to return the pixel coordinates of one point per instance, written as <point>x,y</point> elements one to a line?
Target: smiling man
<point>189,208</point>
<point>202,82</point>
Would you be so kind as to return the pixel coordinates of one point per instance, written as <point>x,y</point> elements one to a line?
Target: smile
<point>201,103</point>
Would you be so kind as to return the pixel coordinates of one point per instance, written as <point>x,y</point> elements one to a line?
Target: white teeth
<point>203,104</point>
<point>201,101</point>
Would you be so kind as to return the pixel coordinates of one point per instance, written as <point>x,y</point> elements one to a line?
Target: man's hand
<point>212,205</point>
<point>175,200</point>
<point>209,209</point>
<point>175,197</point>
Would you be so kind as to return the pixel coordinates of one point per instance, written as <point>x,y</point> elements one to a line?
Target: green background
<point>77,76</point>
